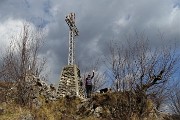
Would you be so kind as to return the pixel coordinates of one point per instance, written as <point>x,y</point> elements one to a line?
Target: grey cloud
<point>37,12</point>
<point>99,22</point>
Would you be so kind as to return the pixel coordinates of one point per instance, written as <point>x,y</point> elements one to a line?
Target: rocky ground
<point>100,107</point>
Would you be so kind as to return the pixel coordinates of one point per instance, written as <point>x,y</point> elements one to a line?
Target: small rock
<point>98,111</point>
<point>1,111</point>
<point>36,103</point>
<point>27,117</point>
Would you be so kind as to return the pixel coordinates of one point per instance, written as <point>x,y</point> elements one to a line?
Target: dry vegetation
<point>115,106</point>
<point>54,110</point>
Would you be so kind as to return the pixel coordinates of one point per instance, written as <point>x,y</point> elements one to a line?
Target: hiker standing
<point>89,85</point>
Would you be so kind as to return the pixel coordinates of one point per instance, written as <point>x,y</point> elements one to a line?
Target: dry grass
<point>48,111</point>
<point>12,111</point>
<point>66,109</point>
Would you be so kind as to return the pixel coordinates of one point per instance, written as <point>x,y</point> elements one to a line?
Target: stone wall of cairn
<point>70,82</point>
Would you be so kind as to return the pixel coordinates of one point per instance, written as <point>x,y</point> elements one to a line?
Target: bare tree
<point>99,81</point>
<point>22,58</point>
<point>160,97</point>
<point>144,69</point>
<point>175,99</point>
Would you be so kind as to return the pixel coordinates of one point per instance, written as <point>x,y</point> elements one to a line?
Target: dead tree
<point>174,99</point>
<point>22,58</point>
<point>147,68</point>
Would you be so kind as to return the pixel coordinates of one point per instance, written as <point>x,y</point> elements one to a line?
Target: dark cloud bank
<point>99,22</point>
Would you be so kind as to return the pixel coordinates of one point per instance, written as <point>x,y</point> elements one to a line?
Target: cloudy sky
<point>99,22</point>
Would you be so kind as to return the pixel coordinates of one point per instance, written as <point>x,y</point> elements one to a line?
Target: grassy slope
<point>65,109</point>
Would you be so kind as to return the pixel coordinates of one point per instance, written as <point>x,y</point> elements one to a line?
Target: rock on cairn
<point>70,82</point>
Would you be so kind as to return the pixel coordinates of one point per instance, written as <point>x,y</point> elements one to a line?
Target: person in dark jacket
<point>88,83</point>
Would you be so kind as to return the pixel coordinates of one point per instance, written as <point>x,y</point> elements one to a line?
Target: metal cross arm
<point>70,20</point>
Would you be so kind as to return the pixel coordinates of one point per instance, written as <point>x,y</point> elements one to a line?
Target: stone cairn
<point>70,82</point>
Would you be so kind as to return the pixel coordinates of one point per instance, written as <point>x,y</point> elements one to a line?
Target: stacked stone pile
<point>40,87</point>
<point>70,82</point>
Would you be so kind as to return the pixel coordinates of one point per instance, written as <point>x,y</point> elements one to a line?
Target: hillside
<point>106,106</point>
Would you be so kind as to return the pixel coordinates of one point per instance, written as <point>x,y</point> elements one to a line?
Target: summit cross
<point>73,31</point>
